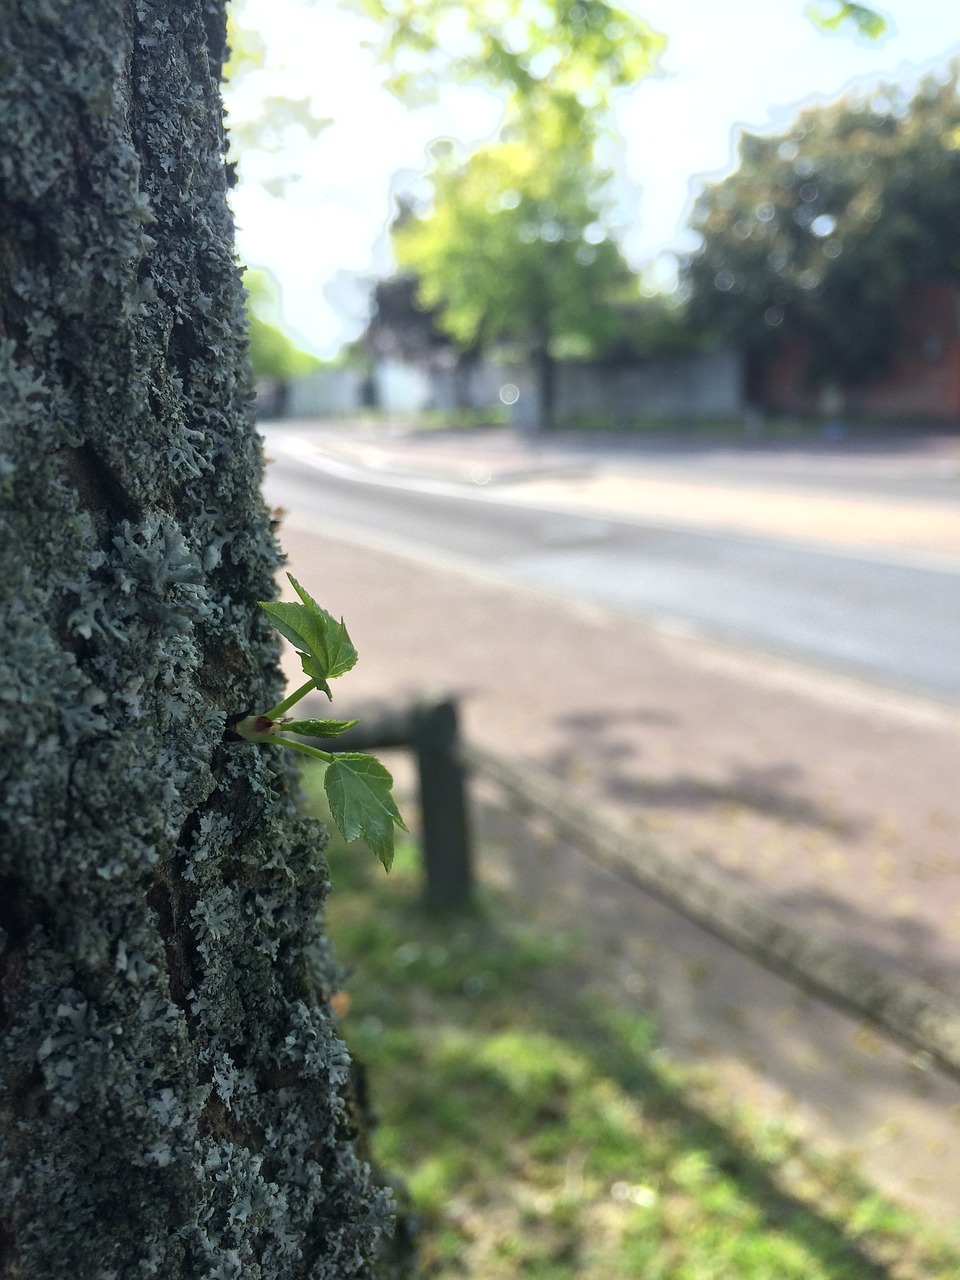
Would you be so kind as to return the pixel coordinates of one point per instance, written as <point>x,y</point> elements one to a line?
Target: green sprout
<point>357,785</point>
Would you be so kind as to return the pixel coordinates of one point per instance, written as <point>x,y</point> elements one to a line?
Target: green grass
<point>436,419</point>
<point>542,1134</point>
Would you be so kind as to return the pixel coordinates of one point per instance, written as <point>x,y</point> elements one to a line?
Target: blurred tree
<point>273,355</point>
<point>560,60</point>
<point>864,20</point>
<point>514,248</point>
<point>564,59</point>
<point>261,120</point>
<point>569,53</point>
<point>515,245</point>
<point>568,56</point>
<point>822,228</point>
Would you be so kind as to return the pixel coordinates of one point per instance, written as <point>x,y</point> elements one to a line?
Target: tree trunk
<point>174,1093</point>
<point>545,366</point>
<point>464,371</point>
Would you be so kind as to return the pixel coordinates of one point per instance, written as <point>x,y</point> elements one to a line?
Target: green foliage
<point>866,21</point>
<point>566,54</point>
<point>557,64</point>
<point>822,228</point>
<point>358,787</point>
<point>262,121</point>
<point>272,353</point>
<point>515,248</point>
<point>246,48</point>
<point>326,651</point>
<point>657,325</point>
<point>358,792</point>
<point>319,728</point>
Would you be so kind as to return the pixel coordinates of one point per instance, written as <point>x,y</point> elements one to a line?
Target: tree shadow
<point>596,722</point>
<point>770,789</point>
<point>720,1006</point>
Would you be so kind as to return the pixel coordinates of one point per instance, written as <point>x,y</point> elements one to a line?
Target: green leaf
<point>326,651</point>
<point>318,728</point>
<point>869,23</point>
<point>315,669</point>
<point>358,791</point>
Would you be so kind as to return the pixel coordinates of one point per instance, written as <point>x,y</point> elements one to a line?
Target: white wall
<point>330,393</point>
<point>402,388</point>
<point>706,384</point>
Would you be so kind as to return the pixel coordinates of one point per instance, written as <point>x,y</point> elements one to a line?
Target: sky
<point>729,64</point>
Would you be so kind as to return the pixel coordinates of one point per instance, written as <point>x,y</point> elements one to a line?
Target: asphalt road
<point>889,620</point>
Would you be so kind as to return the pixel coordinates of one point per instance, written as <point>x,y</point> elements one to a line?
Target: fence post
<point>443,804</point>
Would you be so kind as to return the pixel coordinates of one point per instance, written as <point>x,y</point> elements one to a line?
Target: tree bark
<point>464,371</point>
<point>174,1096</point>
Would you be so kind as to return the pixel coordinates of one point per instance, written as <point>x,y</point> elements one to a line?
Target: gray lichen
<point>174,1097</point>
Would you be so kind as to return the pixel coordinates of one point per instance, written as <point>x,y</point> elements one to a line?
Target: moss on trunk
<point>174,1092</point>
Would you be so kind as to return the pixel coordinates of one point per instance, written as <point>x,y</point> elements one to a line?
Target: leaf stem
<point>326,756</point>
<point>276,712</point>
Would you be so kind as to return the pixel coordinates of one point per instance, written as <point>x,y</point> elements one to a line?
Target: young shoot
<point>357,785</point>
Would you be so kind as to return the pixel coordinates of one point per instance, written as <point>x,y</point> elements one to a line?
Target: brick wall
<point>923,381</point>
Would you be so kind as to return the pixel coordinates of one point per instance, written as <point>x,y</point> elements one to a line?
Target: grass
<point>737,429</point>
<point>540,1131</point>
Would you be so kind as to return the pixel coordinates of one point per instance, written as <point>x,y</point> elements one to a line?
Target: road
<point>892,619</point>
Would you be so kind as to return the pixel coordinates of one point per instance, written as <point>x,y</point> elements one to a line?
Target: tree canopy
<point>556,60</point>
<point>570,55</point>
<point>515,249</point>
<point>823,227</point>
<point>515,246</point>
<point>272,353</point>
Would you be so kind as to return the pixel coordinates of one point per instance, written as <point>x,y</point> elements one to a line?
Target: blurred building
<point>922,383</point>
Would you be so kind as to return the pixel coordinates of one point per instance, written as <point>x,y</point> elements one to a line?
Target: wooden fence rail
<point>431,731</point>
<point>906,1009</point>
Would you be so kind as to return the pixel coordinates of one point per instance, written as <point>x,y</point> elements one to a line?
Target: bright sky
<point>729,63</point>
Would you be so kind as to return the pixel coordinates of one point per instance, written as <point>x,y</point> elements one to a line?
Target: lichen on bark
<point>173,1091</point>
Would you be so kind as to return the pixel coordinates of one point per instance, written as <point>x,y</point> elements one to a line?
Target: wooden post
<point>443,804</point>
<point>431,730</point>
